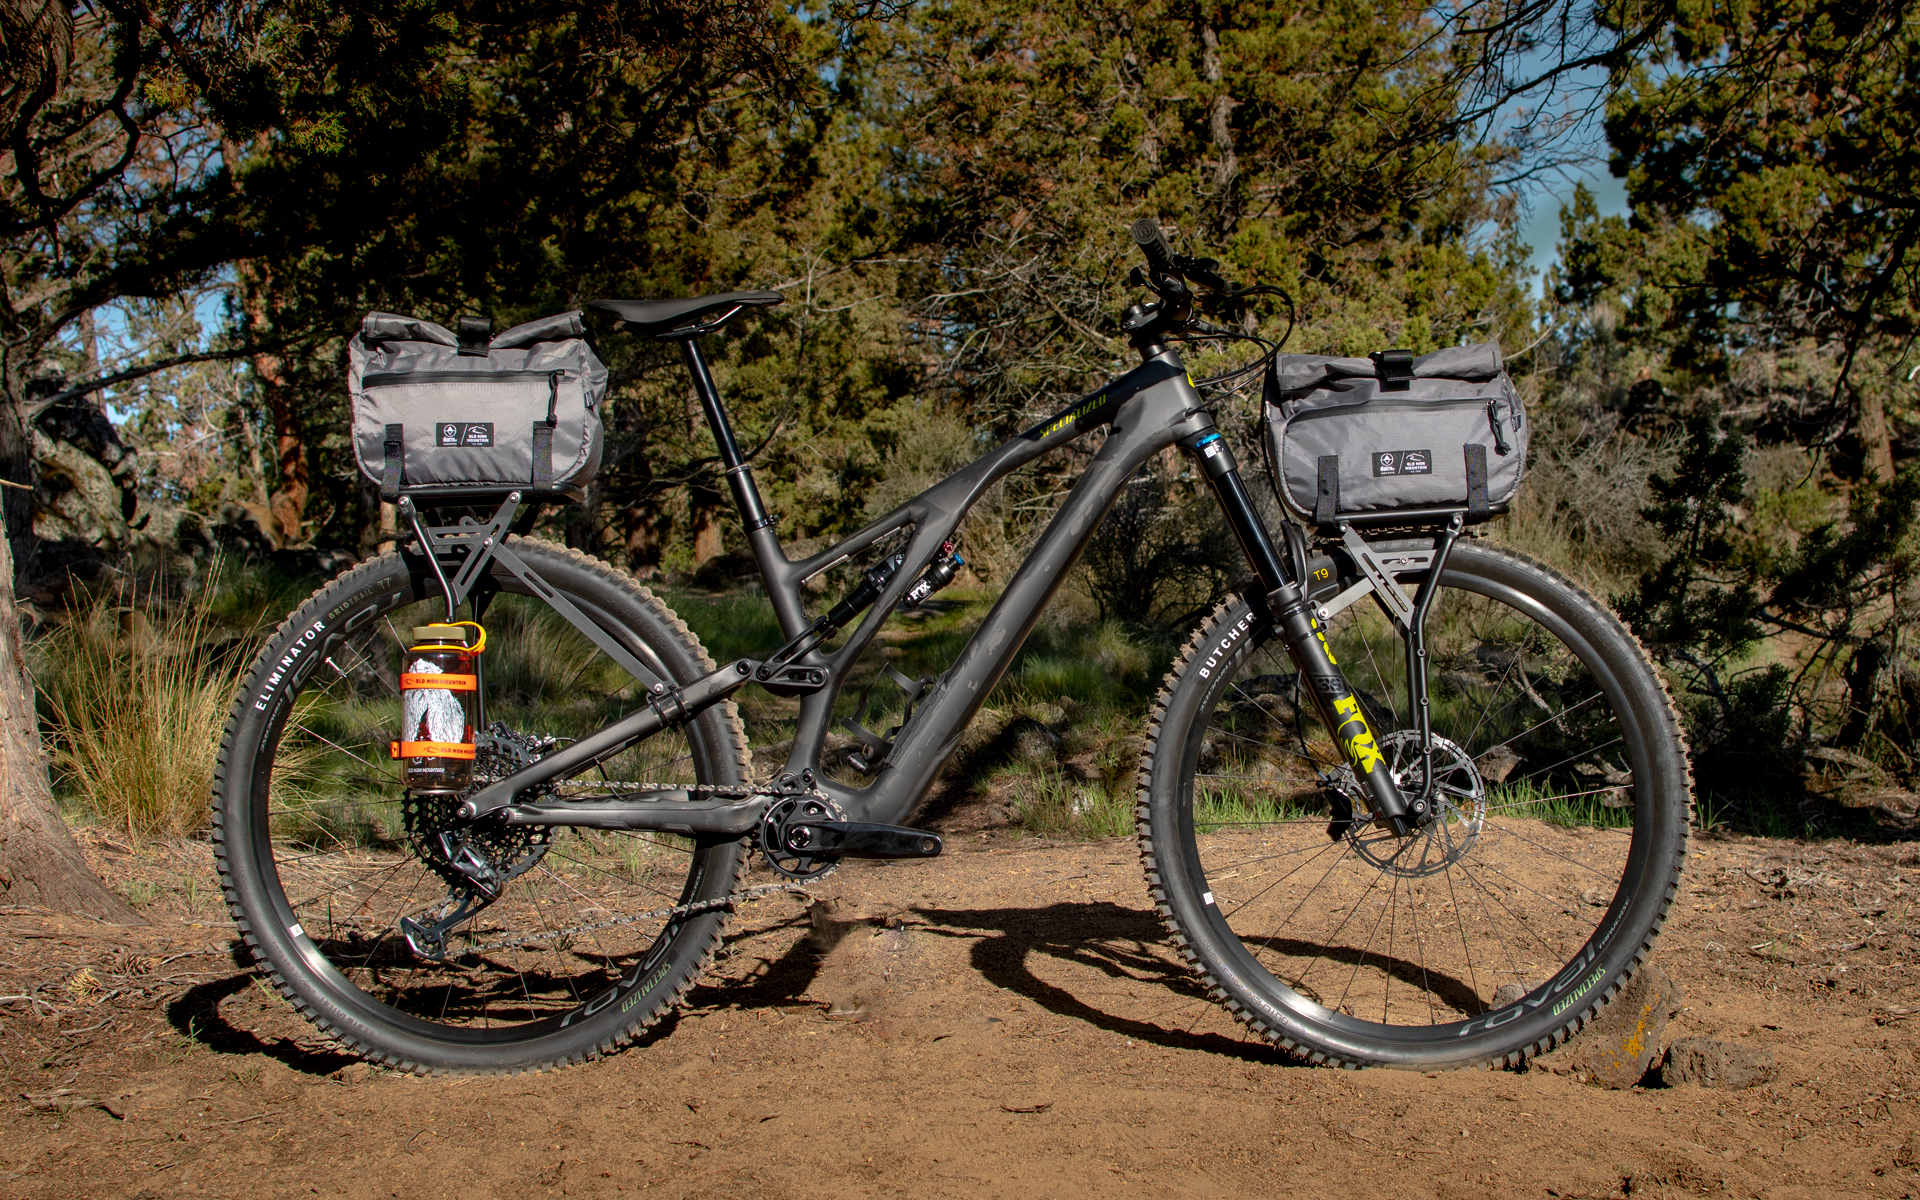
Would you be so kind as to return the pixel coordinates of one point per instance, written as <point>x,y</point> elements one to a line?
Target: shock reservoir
<point>439,685</point>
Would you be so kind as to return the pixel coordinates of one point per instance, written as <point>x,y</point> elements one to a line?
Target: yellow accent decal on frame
<point>1362,751</point>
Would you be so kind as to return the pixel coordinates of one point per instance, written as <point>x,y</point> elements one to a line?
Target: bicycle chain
<point>676,912</point>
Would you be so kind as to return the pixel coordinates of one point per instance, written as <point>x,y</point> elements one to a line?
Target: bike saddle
<point>654,318</point>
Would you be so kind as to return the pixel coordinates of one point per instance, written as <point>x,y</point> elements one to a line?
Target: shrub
<point>134,704</point>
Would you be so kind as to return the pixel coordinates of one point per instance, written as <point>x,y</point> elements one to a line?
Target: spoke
<point>1327,941</point>
<point>1493,693</point>
<point>1473,978</point>
<point>1551,952</point>
<point>1573,757</point>
<point>1529,803</point>
<point>638,883</point>
<point>1548,849</point>
<point>1371,934</point>
<point>1493,927</point>
<point>1212,872</point>
<point>1230,735</point>
<point>1420,942</point>
<point>1542,724</point>
<point>1393,922</point>
<point>336,745</point>
<point>1345,847</point>
<point>1385,691</point>
<point>1276,883</point>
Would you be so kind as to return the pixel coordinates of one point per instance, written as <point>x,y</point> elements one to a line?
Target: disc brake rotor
<point>1460,796</point>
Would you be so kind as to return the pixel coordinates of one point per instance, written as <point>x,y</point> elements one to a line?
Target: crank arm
<point>860,839</point>
<point>669,706</point>
<point>731,818</point>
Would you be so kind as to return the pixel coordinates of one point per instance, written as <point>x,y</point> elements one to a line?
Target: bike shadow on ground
<point>1129,946</point>
<point>1124,946</point>
<point>773,983</point>
<point>196,1015</point>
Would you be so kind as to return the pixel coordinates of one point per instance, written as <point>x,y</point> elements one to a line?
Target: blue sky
<point>1542,227</point>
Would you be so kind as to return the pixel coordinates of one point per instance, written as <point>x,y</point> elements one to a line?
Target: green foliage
<point>135,699</point>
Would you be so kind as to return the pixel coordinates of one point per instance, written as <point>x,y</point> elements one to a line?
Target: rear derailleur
<point>475,861</point>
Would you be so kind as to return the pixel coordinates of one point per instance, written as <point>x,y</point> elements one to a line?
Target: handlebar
<point>1169,273</point>
<point>1153,244</point>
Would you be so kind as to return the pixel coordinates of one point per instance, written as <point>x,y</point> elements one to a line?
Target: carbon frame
<point>1149,408</point>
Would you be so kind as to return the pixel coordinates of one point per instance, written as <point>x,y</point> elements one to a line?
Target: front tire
<point>1488,937</point>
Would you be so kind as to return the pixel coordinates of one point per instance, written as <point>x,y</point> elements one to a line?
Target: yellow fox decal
<point>1361,749</point>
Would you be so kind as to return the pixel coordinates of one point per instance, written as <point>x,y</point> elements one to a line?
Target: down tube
<point>1144,426</point>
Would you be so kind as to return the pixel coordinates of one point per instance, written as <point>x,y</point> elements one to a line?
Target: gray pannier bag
<point>1394,438</point>
<point>435,414</point>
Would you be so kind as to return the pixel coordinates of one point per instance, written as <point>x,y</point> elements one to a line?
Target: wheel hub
<point>1459,794</point>
<point>482,856</point>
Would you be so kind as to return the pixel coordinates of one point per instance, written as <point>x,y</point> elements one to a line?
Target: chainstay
<point>678,912</point>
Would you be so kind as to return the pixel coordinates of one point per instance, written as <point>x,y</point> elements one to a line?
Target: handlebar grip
<point>1153,244</point>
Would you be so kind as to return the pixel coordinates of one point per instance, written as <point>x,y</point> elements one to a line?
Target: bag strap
<point>543,436</point>
<point>1328,501</point>
<point>1395,369</point>
<point>475,336</point>
<point>1476,480</point>
<point>542,456</point>
<point>391,475</point>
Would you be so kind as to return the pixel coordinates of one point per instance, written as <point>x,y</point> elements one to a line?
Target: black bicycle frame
<point>1149,408</point>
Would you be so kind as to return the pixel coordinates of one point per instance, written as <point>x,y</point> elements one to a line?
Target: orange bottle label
<point>430,749</point>
<point>445,683</point>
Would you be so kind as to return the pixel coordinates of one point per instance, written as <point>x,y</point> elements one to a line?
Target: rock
<point>1048,714</point>
<point>1712,1063</point>
<point>1496,764</point>
<point>1509,993</point>
<point>1623,1042</point>
<point>1033,743</point>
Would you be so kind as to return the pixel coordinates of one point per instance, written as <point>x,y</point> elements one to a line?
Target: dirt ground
<point>1004,1021</point>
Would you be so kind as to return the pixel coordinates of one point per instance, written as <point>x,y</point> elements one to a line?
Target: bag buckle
<point>1395,369</point>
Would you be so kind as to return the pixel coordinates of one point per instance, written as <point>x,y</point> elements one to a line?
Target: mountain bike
<point>1410,799</point>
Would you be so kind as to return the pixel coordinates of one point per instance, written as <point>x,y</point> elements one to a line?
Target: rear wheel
<point>324,854</point>
<point>1486,937</point>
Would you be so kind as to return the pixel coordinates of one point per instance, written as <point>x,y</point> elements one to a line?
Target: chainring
<point>773,836</point>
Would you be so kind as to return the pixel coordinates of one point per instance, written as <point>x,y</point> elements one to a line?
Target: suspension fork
<point>1286,598</point>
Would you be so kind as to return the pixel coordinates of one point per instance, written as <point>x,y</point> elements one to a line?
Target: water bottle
<point>438,687</point>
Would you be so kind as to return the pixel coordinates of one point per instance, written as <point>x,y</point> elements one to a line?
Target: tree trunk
<point>260,304</point>
<point>40,864</point>
<point>703,515</point>
<point>1876,439</point>
<point>288,503</point>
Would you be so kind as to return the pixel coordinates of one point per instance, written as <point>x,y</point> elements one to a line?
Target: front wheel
<point>1489,935</point>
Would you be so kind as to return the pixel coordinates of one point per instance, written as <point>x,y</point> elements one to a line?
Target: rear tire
<point>320,856</point>
<point>1490,936</point>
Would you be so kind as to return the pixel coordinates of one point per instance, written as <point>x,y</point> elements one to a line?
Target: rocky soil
<point>1004,1021</point>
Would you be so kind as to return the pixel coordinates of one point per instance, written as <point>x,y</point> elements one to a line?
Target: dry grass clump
<point>134,703</point>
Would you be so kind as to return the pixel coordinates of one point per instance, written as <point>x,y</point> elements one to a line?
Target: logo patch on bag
<point>1402,462</point>
<point>450,434</point>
